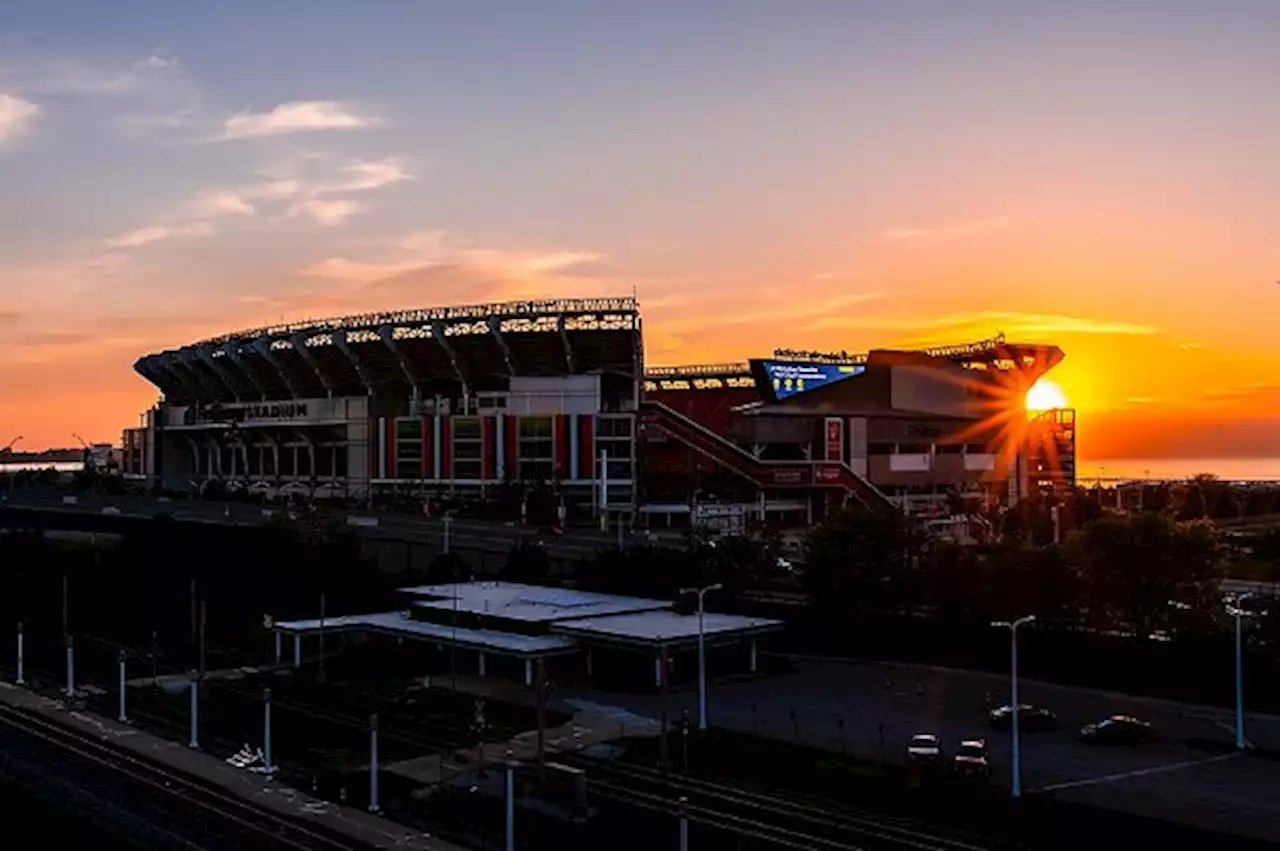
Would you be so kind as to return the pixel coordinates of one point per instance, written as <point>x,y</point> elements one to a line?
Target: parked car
<point>1118,730</point>
<point>923,749</point>
<point>1031,719</point>
<point>971,758</point>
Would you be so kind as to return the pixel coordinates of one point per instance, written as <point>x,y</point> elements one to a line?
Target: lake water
<point>1251,469</point>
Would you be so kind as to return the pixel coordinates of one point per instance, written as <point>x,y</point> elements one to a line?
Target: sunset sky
<point>806,174</point>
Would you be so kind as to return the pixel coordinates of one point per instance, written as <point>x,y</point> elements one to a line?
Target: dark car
<point>971,758</point>
<point>1118,730</point>
<point>1031,719</point>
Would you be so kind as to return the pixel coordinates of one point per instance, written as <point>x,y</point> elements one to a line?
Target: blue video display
<point>788,378</point>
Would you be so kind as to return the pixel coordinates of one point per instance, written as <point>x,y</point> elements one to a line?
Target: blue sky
<point>765,174</point>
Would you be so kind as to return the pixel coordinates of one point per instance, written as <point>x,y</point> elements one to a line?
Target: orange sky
<point>1098,176</point>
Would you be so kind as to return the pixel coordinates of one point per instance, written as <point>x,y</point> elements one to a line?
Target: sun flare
<point>1045,395</point>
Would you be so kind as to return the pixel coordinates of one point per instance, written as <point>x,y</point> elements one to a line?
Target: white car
<point>924,748</point>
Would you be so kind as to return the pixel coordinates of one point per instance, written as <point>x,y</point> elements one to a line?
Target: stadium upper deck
<point>448,351</point>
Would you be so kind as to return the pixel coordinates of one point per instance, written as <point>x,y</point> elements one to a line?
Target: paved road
<point>464,533</point>
<point>1191,774</point>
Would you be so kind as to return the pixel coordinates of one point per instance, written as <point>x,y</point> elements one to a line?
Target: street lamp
<point>1012,626</point>
<point>702,651</point>
<point>1235,610</point>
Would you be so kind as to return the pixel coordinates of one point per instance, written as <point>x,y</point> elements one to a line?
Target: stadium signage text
<point>259,411</point>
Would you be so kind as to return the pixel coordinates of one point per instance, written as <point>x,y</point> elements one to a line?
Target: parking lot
<point>1191,773</point>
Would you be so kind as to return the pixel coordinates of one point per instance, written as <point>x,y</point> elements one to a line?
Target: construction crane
<point>8,447</point>
<point>81,439</point>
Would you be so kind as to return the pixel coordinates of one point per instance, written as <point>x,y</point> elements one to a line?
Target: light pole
<point>1012,626</point>
<point>702,651</point>
<point>1239,613</point>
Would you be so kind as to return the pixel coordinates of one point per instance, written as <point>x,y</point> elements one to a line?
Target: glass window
<point>466,428</point>
<point>535,427</point>
<point>613,427</point>
<point>410,429</point>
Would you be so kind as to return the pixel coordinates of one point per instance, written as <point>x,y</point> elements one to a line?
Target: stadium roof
<point>433,350</point>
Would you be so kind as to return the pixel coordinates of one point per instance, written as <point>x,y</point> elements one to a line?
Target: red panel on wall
<point>446,448</point>
<point>488,443</point>
<point>372,453</point>
<point>560,445</point>
<point>586,446</point>
<point>510,446</point>
<point>428,449</point>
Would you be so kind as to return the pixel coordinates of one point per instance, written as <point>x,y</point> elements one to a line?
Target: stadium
<point>463,402</point>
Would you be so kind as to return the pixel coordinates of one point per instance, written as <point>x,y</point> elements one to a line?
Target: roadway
<point>1191,775</point>
<point>465,534</point>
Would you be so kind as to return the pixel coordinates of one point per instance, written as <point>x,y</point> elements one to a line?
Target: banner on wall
<point>835,439</point>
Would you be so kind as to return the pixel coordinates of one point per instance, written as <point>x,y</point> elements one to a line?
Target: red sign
<point>835,439</point>
<point>826,474</point>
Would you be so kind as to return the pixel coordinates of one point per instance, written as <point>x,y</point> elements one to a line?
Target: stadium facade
<point>458,401</point>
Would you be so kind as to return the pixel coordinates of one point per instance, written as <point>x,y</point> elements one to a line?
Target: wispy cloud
<point>327,211</point>
<point>947,231</point>
<point>297,117</point>
<point>364,175</point>
<point>152,234</point>
<point>220,202</point>
<point>1190,347</point>
<point>16,116</point>
<point>1013,323</point>
<point>62,76</point>
<point>431,249</point>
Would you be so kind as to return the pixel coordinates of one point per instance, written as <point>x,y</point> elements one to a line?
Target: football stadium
<point>461,402</point>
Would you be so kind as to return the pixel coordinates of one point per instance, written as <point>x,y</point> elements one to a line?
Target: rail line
<point>280,830</point>
<point>784,822</point>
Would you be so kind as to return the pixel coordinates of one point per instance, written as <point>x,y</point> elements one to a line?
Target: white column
<point>436,443</point>
<point>482,671</point>
<point>657,668</point>
<point>382,447</point>
<point>297,650</point>
<point>528,672</point>
<point>575,467</point>
<point>278,648</point>
<point>604,490</point>
<point>500,448</point>
<point>753,655</point>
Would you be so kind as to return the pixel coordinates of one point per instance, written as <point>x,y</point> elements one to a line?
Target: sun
<point>1045,395</point>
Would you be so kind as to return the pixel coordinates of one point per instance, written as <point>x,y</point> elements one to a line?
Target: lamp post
<point>702,650</point>
<point>1012,626</point>
<point>1239,613</point>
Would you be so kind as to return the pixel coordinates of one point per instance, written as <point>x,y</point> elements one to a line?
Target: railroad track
<point>272,828</point>
<point>780,822</point>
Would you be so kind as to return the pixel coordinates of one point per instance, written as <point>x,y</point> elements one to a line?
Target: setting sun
<point>1045,395</point>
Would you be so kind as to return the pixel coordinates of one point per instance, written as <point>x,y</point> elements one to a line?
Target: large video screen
<point>787,378</point>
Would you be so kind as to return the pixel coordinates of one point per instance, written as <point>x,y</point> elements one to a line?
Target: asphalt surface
<point>464,533</point>
<point>1191,774</point>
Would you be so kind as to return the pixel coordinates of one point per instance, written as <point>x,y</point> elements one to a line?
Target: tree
<point>1194,506</point>
<point>1226,506</point>
<point>865,557</point>
<point>1138,569</point>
